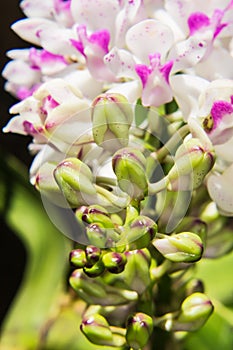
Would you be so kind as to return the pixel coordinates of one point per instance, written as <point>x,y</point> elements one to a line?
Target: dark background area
<point>12,252</point>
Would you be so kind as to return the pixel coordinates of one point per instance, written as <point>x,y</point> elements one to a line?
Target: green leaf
<point>43,280</point>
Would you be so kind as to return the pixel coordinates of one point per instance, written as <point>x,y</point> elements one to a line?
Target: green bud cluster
<point>130,257</point>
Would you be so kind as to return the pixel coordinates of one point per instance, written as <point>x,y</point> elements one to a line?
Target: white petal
<point>28,29</point>
<point>131,90</point>
<point>221,190</point>
<point>121,63</point>
<point>187,53</point>
<point>37,8</point>
<point>148,37</point>
<point>19,72</point>
<point>95,14</point>
<point>186,90</point>
<point>211,68</point>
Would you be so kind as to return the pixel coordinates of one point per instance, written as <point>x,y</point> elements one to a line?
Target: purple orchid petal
<point>166,69</point>
<point>40,57</point>
<point>197,21</point>
<point>143,72</point>
<point>219,110</point>
<point>78,46</point>
<point>100,38</point>
<point>30,129</point>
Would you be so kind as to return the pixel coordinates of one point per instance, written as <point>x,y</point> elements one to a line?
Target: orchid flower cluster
<point>129,104</point>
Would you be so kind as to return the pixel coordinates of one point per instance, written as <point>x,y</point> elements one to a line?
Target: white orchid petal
<point>152,36</point>
<point>221,190</point>
<point>37,8</point>
<point>28,29</point>
<point>121,63</point>
<point>187,53</point>
<point>94,14</point>
<point>186,90</point>
<point>19,72</point>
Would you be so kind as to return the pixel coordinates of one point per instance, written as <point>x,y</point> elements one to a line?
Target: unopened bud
<point>96,270</point>
<point>139,330</point>
<point>129,166</point>
<point>92,254</point>
<point>140,233</point>
<point>114,262</point>
<point>195,311</point>
<point>97,330</point>
<point>78,258</point>
<point>75,181</point>
<point>94,214</point>
<point>181,247</point>
<point>96,234</point>
<point>136,274</point>
<point>48,187</point>
<point>112,117</point>
<point>87,288</point>
<point>192,164</point>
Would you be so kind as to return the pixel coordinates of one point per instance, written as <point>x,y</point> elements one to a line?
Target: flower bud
<point>92,254</point>
<point>182,247</point>
<point>140,233</point>
<point>94,214</point>
<point>112,117</point>
<point>47,186</point>
<point>87,288</point>
<point>192,164</point>
<point>139,329</point>
<point>96,234</point>
<point>136,274</point>
<point>195,311</point>
<point>97,292</point>
<point>114,262</point>
<point>95,270</point>
<point>97,330</point>
<point>78,258</point>
<point>129,166</point>
<point>75,181</point>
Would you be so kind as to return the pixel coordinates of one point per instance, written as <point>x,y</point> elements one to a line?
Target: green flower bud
<point>96,270</point>
<point>97,330</point>
<point>195,311</point>
<point>136,274</point>
<point>112,117</point>
<point>96,234</point>
<point>78,258</point>
<point>140,233</point>
<point>97,292</point>
<point>87,288</point>
<point>139,329</point>
<point>182,247</point>
<point>94,214</point>
<point>93,255</point>
<point>114,262</point>
<point>129,166</point>
<point>75,181</point>
<point>192,164</point>
<point>47,186</point>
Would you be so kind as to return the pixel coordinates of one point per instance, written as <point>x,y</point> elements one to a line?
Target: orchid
<point>131,120</point>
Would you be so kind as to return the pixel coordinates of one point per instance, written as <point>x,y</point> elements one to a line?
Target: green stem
<point>170,144</point>
<point>159,186</point>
